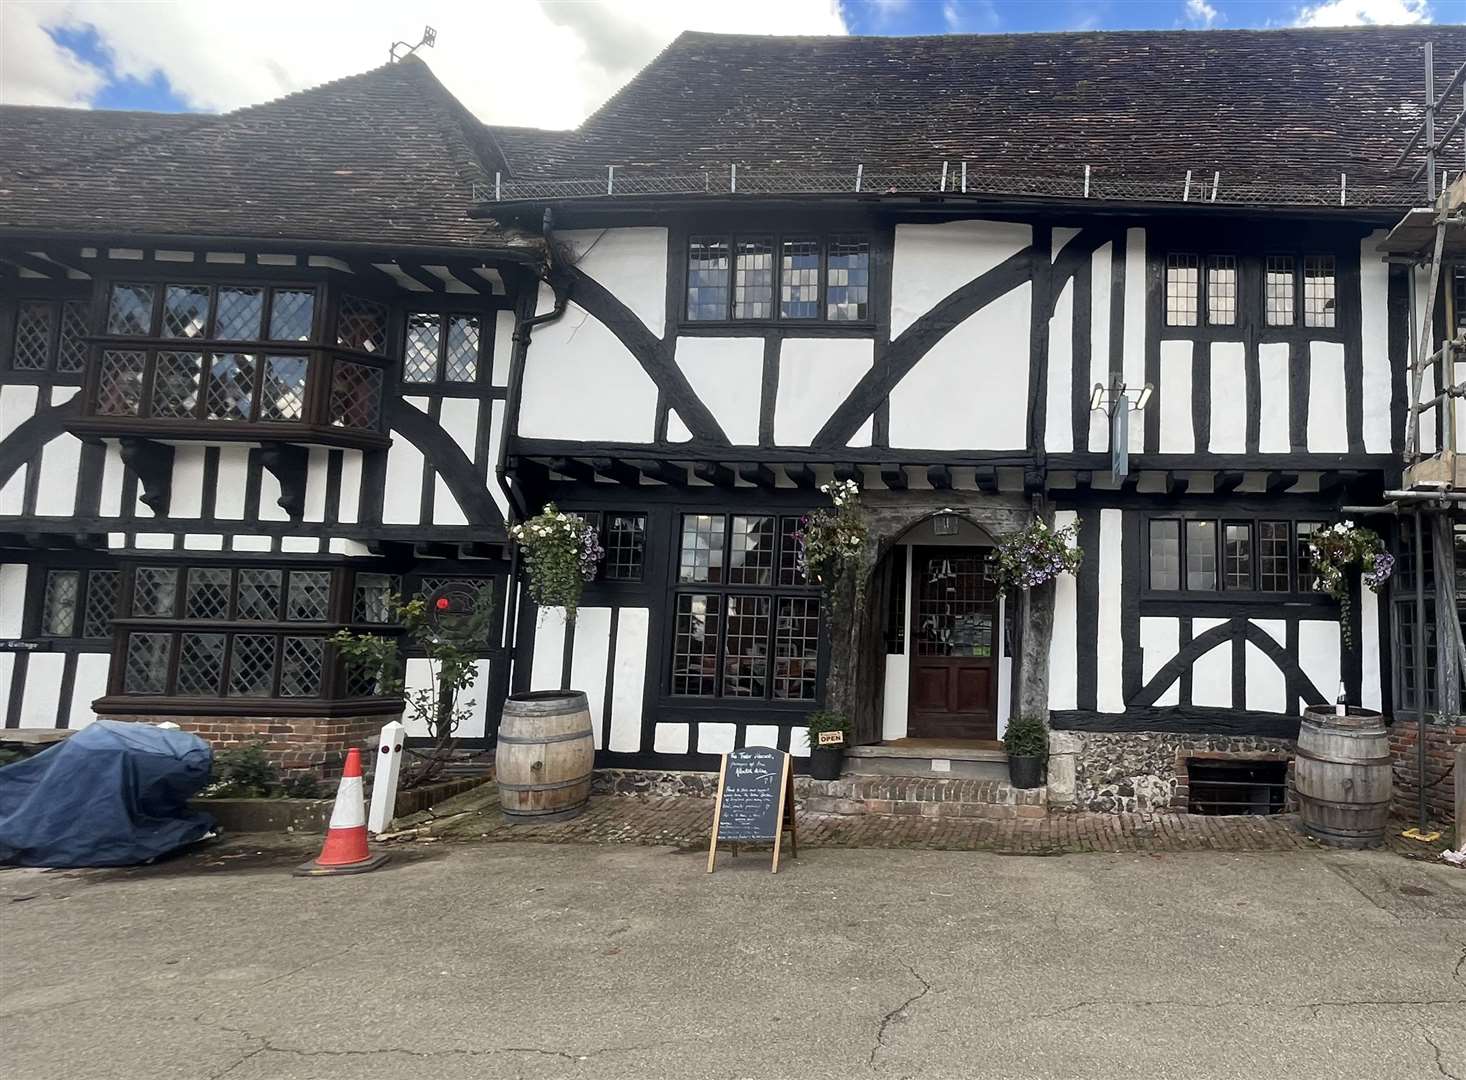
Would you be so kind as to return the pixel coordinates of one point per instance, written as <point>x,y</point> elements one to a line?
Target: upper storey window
<point>211,313</point>
<point>441,347</point>
<point>1198,289</point>
<point>1283,285</point>
<point>48,335</point>
<point>786,278</point>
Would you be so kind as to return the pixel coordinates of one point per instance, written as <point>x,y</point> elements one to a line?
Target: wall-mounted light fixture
<point>945,523</point>
<point>1116,402</point>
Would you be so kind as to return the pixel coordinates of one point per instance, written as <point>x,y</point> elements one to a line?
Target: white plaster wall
<point>548,662</point>
<point>676,429</point>
<point>1371,689</point>
<point>496,436</point>
<point>1374,289</point>
<point>60,464</point>
<point>631,264</point>
<point>590,658</point>
<point>1273,382</point>
<point>1005,668</point>
<point>1211,675</point>
<point>1099,338</point>
<point>112,474</point>
<point>727,375</point>
<point>626,696</point>
<point>503,348</point>
<point>1059,436</point>
<point>897,701</point>
<point>670,738</point>
<point>1134,361</point>
<point>17,405</point>
<point>1109,687</point>
<point>459,419</point>
<point>1318,656</point>
<point>1160,641</point>
<point>970,391</point>
<point>1228,397</point>
<point>930,262</point>
<point>799,742</point>
<point>317,468</point>
<point>12,608</point>
<point>1328,414</point>
<point>38,709</point>
<point>1267,686</point>
<point>581,383</point>
<point>761,735</point>
<point>402,495</point>
<point>815,376</point>
<point>1174,392</point>
<point>233,476</point>
<point>90,684</point>
<point>716,738</point>
<point>1064,644</point>
<point>187,500</point>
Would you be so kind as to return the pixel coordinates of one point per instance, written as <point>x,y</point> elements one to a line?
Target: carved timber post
<point>1035,632</point>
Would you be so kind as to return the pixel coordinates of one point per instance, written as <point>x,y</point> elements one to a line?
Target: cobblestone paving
<point>685,821</point>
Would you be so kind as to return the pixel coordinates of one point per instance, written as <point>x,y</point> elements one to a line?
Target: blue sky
<point>198,54</point>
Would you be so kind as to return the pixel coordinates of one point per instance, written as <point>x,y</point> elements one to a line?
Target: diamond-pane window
<point>231,386</point>
<point>361,324</point>
<point>130,309</point>
<point>32,350</point>
<point>282,393</point>
<point>120,383</point>
<point>847,289</point>
<point>185,311</point>
<point>58,614</point>
<point>252,665</point>
<point>460,360</point>
<point>356,395</point>
<point>239,312</point>
<point>372,598</point>
<point>200,665</point>
<point>301,659</point>
<point>309,597</point>
<point>103,589</point>
<point>208,593</point>
<point>292,313</point>
<point>154,591</point>
<point>145,671</point>
<point>799,280</point>
<point>71,350</point>
<point>707,279</point>
<point>420,358</point>
<point>259,595</point>
<point>176,377</point>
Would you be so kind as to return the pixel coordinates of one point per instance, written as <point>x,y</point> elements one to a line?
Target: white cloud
<point>1200,13</point>
<point>970,16</point>
<point>545,64</point>
<point>1365,12</point>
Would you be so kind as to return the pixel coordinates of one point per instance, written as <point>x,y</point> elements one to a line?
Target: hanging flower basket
<point>1037,555</point>
<point>1336,551</point>
<point>830,541</point>
<point>561,554</point>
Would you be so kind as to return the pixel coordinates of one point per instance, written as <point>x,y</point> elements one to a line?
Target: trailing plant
<point>1026,736</point>
<point>451,642</point>
<point>828,720</point>
<point>1335,552</point>
<point>832,541</point>
<point>243,772</point>
<point>561,554</point>
<point>1037,555</point>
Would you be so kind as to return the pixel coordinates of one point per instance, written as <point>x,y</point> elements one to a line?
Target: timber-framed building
<point>259,370</point>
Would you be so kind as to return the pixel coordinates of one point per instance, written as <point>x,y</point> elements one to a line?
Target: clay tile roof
<point>385,157</point>
<point>1274,106</point>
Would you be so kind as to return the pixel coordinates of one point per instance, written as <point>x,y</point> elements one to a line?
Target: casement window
<point>1286,279</point>
<point>79,603</point>
<point>746,625</point>
<point>1409,634</point>
<point>441,347</point>
<point>47,336</point>
<point>1209,555</point>
<point>240,632</point>
<point>1200,290</point>
<point>623,537</point>
<point>789,278</point>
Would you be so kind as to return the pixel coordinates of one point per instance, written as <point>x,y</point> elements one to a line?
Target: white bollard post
<point>384,779</point>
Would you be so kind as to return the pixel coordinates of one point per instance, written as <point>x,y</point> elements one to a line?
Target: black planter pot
<point>825,762</point>
<point>1025,772</point>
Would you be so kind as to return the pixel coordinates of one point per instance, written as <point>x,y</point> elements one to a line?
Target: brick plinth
<point>1441,780</point>
<point>291,742</point>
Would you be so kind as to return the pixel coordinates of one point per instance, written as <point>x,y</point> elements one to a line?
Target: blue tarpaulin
<point>113,794</point>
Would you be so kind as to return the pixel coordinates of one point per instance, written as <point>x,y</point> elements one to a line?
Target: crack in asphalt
<point>1456,972</point>
<point>1312,1006</point>
<point>1440,1058</point>
<point>898,1011</point>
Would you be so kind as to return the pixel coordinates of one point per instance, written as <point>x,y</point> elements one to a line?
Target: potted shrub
<point>1027,742</point>
<point>829,733</point>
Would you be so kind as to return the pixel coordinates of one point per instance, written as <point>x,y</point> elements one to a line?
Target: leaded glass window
<point>120,382</point>
<point>238,314</point>
<point>301,662</point>
<point>1264,556</point>
<point>252,665</point>
<point>208,593</point>
<point>1237,556</point>
<point>1304,530</point>
<point>103,589</point>
<point>1221,290</point>
<point>32,345</point>
<point>797,648</point>
<point>789,572</point>
<point>753,279</point>
<point>702,548</point>
<point>751,560</point>
<point>231,386</point>
<point>799,280</point>
<point>71,350</point>
<point>130,309</point>
<point>200,665</point>
<point>58,611</point>
<point>185,311</point>
<point>259,595</point>
<point>1278,290</point>
<point>695,644</point>
<point>1165,555</point>
<point>292,314</point>
<point>356,395</point>
<point>372,597</point>
<point>155,591</point>
<point>1182,289</point>
<point>176,378</point>
<point>460,353</point>
<point>847,288</point>
<point>361,324</point>
<point>1318,290</point>
<point>1201,555</point>
<point>1273,544</point>
<point>420,357</point>
<point>145,668</point>
<point>625,546</point>
<point>282,394</point>
<point>745,649</point>
<point>707,280</point>
<point>309,598</point>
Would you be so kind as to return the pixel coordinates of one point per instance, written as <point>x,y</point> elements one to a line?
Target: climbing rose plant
<point>1334,552</point>
<point>1037,554</point>
<point>561,554</point>
<point>832,540</point>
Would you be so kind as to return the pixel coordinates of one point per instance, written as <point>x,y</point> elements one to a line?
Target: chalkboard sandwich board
<point>755,801</point>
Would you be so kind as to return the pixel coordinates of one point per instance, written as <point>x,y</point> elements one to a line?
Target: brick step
<point>902,796</point>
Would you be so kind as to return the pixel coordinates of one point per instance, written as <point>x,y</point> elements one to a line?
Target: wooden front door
<point>954,645</point>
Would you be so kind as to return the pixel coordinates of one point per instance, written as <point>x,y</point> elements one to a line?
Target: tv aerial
<point>401,49</point>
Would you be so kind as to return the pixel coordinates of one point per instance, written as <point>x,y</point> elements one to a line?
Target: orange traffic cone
<point>345,850</point>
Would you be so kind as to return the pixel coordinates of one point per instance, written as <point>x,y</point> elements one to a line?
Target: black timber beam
<point>575,468</point>
<point>665,471</point>
<point>849,471</point>
<point>939,477</point>
<point>1224,483</point>
<point>758,475</point>
<point>1176,484</point>
<point>1083,481</point>
<point>622,472</point>
<point>1279,482</point>
<point>894,477</point>
<point>987,479</point>
<point>802,476</point>
<point>714,473</point>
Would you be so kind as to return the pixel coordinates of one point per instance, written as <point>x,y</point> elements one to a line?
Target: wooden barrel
<point>1342,776</point>
<point>545,756</point>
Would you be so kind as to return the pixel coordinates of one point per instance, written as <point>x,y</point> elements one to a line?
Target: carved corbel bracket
<point>289,464</point>
<point>153,464</point>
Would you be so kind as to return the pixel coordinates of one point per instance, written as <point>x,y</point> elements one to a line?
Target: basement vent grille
<point>1237,787</point>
